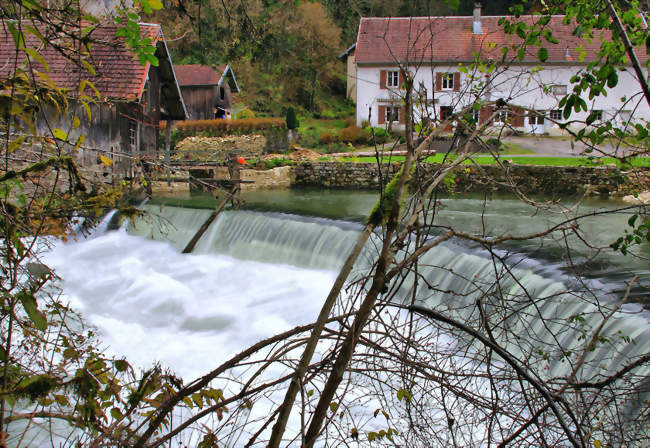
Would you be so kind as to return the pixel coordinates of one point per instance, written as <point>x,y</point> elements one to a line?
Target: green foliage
<point>244,114</point>
<point>292,119</point>
<point>377,135</point>
<point>638,233</point>
<point>382,209</point>
<point>277,161</point>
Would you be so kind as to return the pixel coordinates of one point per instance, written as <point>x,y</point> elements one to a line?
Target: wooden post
<point>235,176</point>
<point>233,170</point>
<point>168,143</point>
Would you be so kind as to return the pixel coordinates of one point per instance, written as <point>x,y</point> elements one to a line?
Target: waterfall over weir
<point>458,278</point>
<point>264,237</point>
<point>253,275</point>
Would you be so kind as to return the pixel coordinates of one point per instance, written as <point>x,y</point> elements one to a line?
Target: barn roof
<point>195,75</point>
<point>119,75</point>
<point>451,39</point>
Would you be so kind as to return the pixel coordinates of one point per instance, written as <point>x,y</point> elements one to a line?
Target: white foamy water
<point>190,312</point>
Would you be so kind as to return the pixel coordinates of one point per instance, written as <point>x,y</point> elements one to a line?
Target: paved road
<point>561,146</point>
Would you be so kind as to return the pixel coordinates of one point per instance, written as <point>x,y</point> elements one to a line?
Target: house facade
<point>458,61</point>
<point>207,92</point>
<point>127,100</point>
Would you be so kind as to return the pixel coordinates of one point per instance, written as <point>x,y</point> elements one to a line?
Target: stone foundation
<point>279,177</point>
<point>547,180</point>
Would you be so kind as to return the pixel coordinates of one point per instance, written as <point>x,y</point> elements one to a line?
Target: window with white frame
<point>392,113</point>
<point>556,114</point>
<point>392,78</point>
<point>447,81</point>
<point>559,89</point>
<point>503,116</point>
<point>536,118</point>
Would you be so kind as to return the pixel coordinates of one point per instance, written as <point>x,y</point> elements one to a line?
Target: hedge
<point>224,127</point>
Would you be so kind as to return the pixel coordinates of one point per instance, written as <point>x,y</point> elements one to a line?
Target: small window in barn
<point>392,78</point>
<point>559,89</point>
<point>392,113</point>
<point>556,114</point>
<point>536,117</point>
<point>133,130</point>
<point>447,81</point>
<point>222,93</point>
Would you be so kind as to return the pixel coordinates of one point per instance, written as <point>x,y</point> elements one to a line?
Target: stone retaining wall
<point>549,180</point>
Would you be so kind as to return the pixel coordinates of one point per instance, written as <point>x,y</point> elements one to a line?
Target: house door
<point>445,113</point>
<point>536,122</point>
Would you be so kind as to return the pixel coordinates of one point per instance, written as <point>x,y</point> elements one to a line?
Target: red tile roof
<point>119,74</point>
<point>450,39</point>
<point>196,75</point>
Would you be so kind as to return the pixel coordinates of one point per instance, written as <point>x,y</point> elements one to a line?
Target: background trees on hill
<point>285,51</point>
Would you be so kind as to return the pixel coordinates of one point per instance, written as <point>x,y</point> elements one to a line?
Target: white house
<point>457,60</point>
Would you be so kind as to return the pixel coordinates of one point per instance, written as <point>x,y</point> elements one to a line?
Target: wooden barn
<point>124,122</point>
<point>207,92</point>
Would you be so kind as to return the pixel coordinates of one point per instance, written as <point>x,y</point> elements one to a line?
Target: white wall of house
<point>522,85</point>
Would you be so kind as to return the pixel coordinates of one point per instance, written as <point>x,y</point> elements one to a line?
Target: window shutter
<point>381,118</point>
<point>439,81</point>
<point>401,79</point>
<point>402,115</point>
<point>456,82</point>
<point>518,117</point>
<point>485,114</point>
<point>382,79</point>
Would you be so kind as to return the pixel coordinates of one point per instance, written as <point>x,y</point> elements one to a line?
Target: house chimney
<point>476,28</point>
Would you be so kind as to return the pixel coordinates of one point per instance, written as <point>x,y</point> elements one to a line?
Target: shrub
<point>350,121</point>
<point>494,142</point>
<point>364,137</point>
<point>381,134</point>
<point>349,134</point>
<point>276,161</point>
<point>244,114</point>
<point>328,114</point>
<point>326,138</point>
<point>292,120</point>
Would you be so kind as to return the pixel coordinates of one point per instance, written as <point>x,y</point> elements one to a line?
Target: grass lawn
<point>521,160</point>
<point>513,148</point>
<point>310,130</point>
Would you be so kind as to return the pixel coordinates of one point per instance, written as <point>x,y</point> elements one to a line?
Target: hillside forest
<point>284,52</point>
